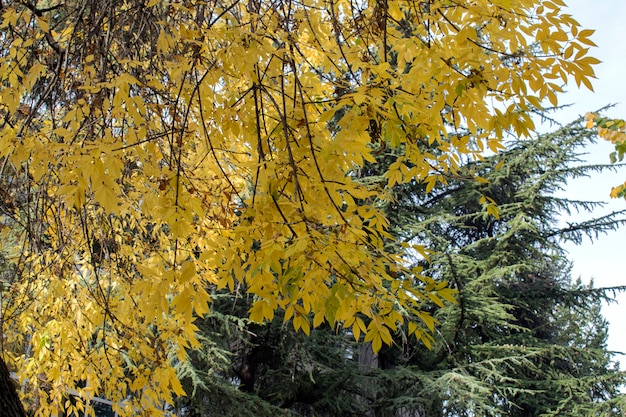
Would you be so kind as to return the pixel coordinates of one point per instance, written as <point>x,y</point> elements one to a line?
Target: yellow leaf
<point>105,195</point>
<point>356,332</point>
<point>187,272</point>
<point>428,320</point>
<point>377,343</point>
<point>177,387</point>
<point>43,25</point>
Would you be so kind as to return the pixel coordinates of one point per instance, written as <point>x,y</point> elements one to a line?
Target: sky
<point>602,258</point>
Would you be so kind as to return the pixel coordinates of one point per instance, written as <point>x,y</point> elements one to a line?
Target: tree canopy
<point>153,152</point>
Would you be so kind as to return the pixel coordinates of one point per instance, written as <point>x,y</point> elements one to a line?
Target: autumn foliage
<point>152,151</point>
<point>614,131</point>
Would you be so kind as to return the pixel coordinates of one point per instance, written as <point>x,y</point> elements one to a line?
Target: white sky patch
<point>602,259</point>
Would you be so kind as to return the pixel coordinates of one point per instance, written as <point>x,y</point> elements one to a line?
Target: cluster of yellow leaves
<point>614,131</point>
<point>181,146</point>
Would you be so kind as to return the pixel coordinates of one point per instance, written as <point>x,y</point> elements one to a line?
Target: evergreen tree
<point>508,348</point>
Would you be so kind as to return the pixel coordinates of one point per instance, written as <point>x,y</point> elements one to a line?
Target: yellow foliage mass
<point>170,148</point>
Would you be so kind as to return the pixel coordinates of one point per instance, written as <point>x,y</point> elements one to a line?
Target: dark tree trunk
<point>10,404</point>
<point>367,358</point>
<point>247,373</point>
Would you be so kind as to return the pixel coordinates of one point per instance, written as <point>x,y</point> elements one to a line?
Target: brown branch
<point>208,138</point>
<point>309,135</point>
